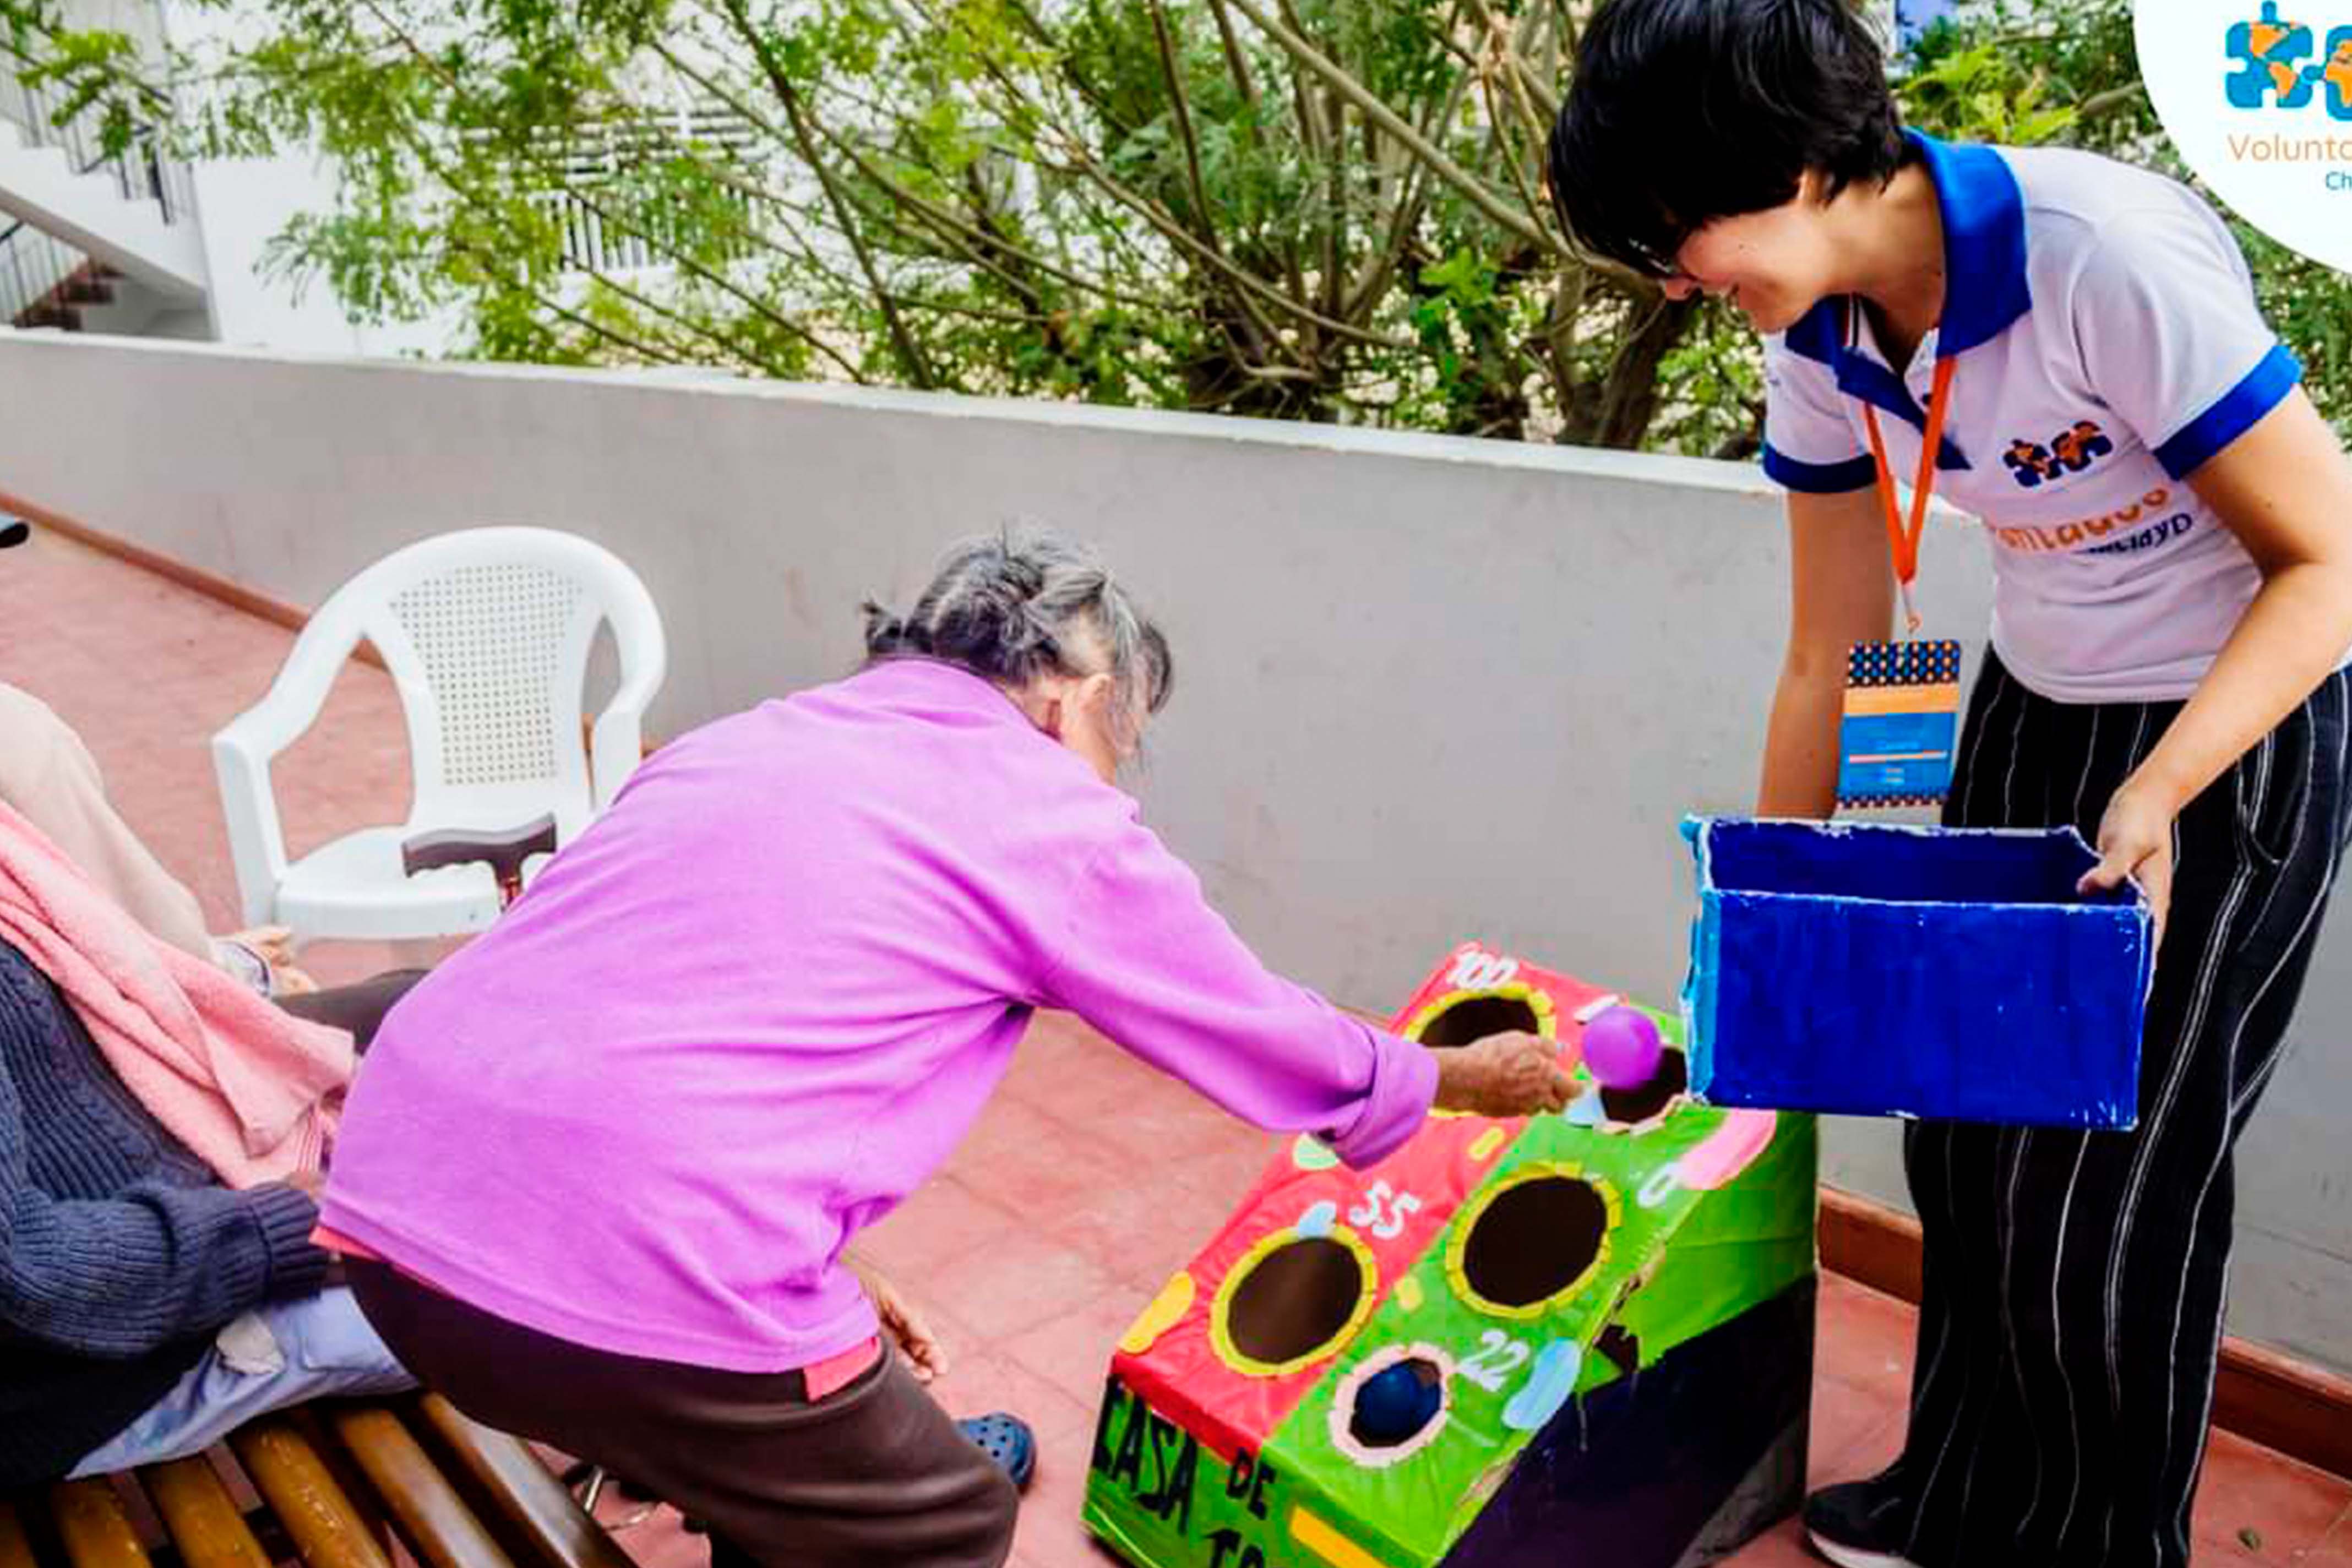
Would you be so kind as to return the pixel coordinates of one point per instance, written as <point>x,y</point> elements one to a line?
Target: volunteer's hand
<point>1503,1075</point>
<point>2136,840</point>
<point>904,1324</point>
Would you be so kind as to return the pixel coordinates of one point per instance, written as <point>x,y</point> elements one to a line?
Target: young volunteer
<point>2170,522</point>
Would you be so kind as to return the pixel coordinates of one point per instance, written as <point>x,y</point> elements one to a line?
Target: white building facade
<point>138,244</point>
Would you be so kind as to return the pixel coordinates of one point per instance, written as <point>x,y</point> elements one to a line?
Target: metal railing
<point>637,240</point>
<point>35,269</point>
<point>140,172</point>
<point>587,171</point>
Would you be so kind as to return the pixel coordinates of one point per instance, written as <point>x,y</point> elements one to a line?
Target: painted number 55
<point>1382,1213</point>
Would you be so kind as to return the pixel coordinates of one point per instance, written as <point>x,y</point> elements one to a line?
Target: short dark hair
<point>1683,111</point>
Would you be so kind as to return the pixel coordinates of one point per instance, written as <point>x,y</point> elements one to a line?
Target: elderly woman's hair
<point>1025,603</point>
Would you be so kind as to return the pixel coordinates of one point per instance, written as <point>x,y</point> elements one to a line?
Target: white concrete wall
<point>1427,688</point>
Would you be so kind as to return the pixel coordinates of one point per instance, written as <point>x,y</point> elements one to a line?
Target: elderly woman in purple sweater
<point>598,1175</point>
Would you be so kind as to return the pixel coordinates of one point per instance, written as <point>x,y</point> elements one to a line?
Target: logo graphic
<point>2257,96</point>
<point>2069,452</point>
<point>2271,53</point>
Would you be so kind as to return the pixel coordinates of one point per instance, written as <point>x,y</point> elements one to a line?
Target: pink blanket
<point>250,1089</point>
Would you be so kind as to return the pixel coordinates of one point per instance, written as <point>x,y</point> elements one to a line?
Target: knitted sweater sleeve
<point>121,1275</point>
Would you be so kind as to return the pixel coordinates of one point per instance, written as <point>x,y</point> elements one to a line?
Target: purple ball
<point>1622,1048</point>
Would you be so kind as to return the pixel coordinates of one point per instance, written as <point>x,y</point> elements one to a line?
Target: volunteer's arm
<point>2284,488</point>
<point>1842,592</point>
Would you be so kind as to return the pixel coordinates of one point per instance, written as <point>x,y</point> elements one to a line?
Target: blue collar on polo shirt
<point>1985,288</point>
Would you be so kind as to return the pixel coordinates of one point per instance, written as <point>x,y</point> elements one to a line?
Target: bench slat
<point>433,1518</point>
<point>538,1513</point>
<point>200,1516</point>
<point>92,1521</point>
<point>326,1529</point>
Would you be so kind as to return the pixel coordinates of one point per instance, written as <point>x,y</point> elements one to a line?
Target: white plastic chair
<point>487,634</point>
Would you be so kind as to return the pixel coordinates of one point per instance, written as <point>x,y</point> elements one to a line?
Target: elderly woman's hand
<point>1503,1074</point>
<point>268,952</point>
<point>902,1323</point>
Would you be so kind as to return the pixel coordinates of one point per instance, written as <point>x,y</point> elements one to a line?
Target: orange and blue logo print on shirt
<point>2281,64</point>
<point>2070,451</point>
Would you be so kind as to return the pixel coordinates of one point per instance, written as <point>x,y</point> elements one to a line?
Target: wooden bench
<point>333,1485</point>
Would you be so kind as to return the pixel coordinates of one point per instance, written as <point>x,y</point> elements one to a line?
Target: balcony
<point>1431,688</point>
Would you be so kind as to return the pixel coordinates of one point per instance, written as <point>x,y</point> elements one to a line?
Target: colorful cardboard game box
<point>1579,1338</point>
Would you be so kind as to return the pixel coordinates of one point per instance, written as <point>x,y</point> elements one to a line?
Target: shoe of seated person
<point>1008,1440</point>
<point>1861,1524</point>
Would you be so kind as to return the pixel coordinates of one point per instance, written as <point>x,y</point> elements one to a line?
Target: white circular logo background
<point>2257,95</point>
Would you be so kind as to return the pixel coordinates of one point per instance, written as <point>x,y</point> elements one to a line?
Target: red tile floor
<point>1088,1180</point>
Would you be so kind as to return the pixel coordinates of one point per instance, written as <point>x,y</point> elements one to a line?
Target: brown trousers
<point>874,1474</point>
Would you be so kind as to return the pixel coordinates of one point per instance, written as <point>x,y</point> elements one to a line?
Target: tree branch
<point>1261,333</point>
<point>1180,106</point>
<point>1239,67</point>
<point>909,355</point>
<point>1471,189</point>
<point>2104,103</point>
<point>1149,210</point>
<point>946,223</point>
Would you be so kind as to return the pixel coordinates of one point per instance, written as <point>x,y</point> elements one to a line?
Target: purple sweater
<point>757,1003</point>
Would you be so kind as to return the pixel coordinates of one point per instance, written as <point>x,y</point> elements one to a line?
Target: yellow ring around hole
<point>1539,1002</point>
<point>1221,1338</point>
<point>1457,1247</point>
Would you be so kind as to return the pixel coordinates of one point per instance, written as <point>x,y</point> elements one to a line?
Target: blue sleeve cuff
<point>1856,473</point>
<point>2236,412</point>
<point>297,1266</point>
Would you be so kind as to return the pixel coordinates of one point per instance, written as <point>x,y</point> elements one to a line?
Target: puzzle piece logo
<point>2281,64</point>
<point>2070,451</point>
<point>2337,73</point>
<point>2274,142</point>
<point>2269,52</point>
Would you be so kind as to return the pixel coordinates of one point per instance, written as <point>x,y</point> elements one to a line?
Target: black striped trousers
<point>2074,1283</point>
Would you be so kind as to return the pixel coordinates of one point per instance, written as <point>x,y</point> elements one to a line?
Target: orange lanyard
<point>1904,543</point>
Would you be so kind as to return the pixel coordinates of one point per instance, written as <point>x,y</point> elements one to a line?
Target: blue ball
<point>1395,1403</point>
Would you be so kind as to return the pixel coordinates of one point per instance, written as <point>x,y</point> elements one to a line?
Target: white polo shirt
<point>2106,343</point>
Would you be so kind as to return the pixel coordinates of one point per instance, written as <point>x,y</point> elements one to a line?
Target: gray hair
<point>1014,605</point>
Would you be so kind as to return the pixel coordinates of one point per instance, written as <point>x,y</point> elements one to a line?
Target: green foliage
<point>1981,92</point>
<point>1310,209</point>
<point>1316,209</point>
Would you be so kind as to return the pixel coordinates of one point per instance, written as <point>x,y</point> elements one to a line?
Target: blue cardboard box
<point>1874,969</point>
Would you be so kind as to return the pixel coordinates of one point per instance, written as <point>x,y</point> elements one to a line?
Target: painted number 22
<point>1382,1213</point>
<point>1499,1355</point>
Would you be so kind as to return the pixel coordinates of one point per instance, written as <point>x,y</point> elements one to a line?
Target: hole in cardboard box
<point>1534,1240</point>
<point>1476,1016</point>
<point>1635,1106</point>
<point>1396,1404</point>
<point>1295,1300</point>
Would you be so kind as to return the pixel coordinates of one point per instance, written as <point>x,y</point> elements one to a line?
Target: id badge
<point>1902,723</point>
